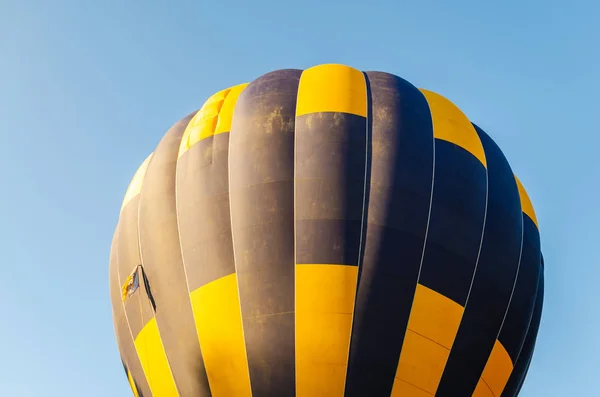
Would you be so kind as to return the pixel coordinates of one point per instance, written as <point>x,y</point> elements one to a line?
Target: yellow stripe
<point>332,88</point>
<point>152,355</point>
<point>214,117</point>
<point>324,308</point>
<point>135,186</point>
<point>218,319</point>
<point>526,204</point>
<point>483,390</point>
<point>450,124</point>
<point>132,384</point>
<point>434,316</point>
<point>421,363</point>
<point>497,369</point>
<point>432,327</point>
<point>226,113</point>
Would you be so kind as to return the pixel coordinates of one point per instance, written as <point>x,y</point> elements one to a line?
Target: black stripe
<point>163,266</point>
<point>494,278</point>
<point>521,367</point>
<point>399,197</point>
<point>330,182</point>
<point>522,304</point>
<point>203,211</point>
<point>457,218</point>
<point>262,213</point>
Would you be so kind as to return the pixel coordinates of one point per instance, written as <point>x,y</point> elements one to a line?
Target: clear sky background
<point>87,89</point>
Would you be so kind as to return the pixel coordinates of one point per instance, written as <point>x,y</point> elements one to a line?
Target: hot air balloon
<point>326,232</point>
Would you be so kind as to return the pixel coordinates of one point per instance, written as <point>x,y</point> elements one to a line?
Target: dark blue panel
<point>456,224</point>
<point>398,200</point>
<point>494,278</point>
<point>515,382</point>
<point>514,329</point>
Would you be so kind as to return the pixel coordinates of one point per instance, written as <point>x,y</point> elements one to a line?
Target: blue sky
<point>87,89</point>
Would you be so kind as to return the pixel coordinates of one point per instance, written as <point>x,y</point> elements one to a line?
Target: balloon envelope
<point>326,232</point>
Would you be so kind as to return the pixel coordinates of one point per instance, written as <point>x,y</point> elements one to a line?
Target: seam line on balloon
<point>483,226</point>
<point>139,236</point>
<point>231,135</point>
<point>185,275</point>
<point>489,388</point>
<point>522,381</point>
<point>514,283</point>
<point>415,386</point>
<point>487,192</point>
<point>426,227</point>
<point>430,203</point>
<point>125,312</point>
<point>295,245</point>
<point>537,291</point>
<point>363,220</point>
<point>123,302</point>
<point>178,223</point>
<point>428,338</point>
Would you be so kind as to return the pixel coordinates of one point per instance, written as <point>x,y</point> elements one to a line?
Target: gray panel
<point>128,249</point>
<point>161,258</point>
<point>203,209</point>
<point>262,212</point>
<point>124,339</point>
<point>330,187</point>
<point>138,307</point>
